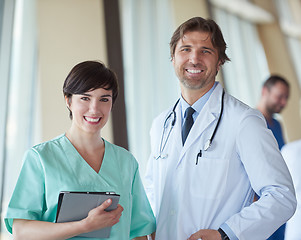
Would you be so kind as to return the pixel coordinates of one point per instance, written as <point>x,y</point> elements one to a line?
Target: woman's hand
<point>99,218</point>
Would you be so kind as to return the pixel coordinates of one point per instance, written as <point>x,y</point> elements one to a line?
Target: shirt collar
<point>199,104</point>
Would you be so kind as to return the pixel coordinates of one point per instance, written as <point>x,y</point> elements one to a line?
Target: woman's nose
<point>94,106</point>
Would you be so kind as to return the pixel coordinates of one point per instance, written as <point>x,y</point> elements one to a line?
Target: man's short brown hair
<point>202,25</point>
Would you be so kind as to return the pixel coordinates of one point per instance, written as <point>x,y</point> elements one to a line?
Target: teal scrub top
<point>55,166</point>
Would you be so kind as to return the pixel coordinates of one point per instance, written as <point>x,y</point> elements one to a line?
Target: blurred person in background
<point>274,96</point>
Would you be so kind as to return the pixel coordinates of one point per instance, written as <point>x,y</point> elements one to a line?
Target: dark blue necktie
<point>187,124</point>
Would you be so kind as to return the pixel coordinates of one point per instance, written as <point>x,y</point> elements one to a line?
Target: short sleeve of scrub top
<point>55,166</point>
<point>27,201</point>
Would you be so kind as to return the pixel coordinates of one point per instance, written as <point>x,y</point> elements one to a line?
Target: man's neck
<point>192,95</point>
<point>267,115</point>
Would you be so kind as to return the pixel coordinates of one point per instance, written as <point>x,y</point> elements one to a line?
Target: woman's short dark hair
<point>87,76</point>
<point>204,25</point>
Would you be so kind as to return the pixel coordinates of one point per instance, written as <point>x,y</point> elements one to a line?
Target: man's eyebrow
<point>208,48</point>
<point>185,46</point>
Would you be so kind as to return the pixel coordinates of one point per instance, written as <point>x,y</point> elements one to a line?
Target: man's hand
<point>206,234</point>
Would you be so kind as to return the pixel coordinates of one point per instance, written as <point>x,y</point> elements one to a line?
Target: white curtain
<point>150,83</point>
<point>248,68</point>
<point>21,89</point>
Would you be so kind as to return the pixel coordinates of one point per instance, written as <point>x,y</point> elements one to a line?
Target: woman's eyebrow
<point>89,95</point>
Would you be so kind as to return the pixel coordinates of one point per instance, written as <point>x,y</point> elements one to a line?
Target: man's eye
<point>104,99</point>
<point>85,98</point>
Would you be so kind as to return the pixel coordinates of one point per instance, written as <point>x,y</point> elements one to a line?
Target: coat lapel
<point>177,139</point>
<point>207,116</point>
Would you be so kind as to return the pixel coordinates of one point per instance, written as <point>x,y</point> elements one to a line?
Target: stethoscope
<point>173,122</point>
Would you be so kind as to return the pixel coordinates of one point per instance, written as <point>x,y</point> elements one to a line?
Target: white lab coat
<point>244,155</point>
<point>291,154</point>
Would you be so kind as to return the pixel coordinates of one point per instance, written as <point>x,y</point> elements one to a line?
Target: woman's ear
<point>68,102</point>
<point>68,105</point>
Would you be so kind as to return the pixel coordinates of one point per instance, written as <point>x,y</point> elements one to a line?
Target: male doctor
<point>201,189</point>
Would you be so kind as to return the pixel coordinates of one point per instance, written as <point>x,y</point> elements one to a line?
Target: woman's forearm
<point>39,230</point>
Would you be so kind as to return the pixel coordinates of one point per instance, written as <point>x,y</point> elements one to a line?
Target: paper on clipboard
<point>75,206</point>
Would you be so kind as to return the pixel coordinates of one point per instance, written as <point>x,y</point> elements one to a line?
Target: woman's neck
<point>84,140</point>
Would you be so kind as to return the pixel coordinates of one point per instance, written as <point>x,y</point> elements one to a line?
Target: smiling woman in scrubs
<point>81,160</point>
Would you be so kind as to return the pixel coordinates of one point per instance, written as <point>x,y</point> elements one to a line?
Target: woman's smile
<point>92,120</point>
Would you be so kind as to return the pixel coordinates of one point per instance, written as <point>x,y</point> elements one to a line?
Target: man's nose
<point>195,57</point>
<point>284,102</point>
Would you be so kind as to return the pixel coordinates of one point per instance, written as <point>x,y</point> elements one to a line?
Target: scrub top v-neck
<point>55,166</point>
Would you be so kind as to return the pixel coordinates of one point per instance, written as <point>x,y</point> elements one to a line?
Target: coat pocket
<point>208,178</point>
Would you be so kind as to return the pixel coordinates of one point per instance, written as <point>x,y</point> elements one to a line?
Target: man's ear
<point>264,91</point>
<point>219,65</point>
<point>172,57</point>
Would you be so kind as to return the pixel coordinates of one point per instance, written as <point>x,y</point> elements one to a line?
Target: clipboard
<point>75,206</point>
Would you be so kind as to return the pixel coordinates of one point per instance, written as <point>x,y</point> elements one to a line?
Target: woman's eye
<point>104,99</point>
<point>85,98</point>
